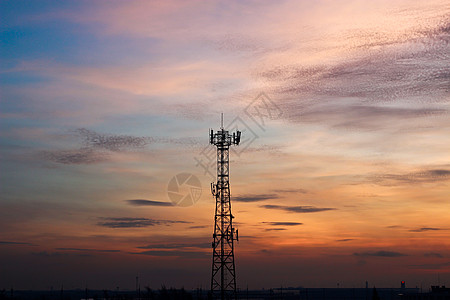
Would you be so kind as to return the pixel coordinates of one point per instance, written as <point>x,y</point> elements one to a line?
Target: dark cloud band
<point>143,202</point>
<point>297,209</point>
<point>135,222</point>
<point>255,197</point>
<point>381,254</point>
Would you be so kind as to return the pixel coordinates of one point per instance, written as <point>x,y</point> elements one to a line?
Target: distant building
<point>436,293</point>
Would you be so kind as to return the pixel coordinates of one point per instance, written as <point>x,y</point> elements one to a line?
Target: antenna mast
<point>223,277</point>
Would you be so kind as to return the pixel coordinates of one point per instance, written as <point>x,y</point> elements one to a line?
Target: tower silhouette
<point>223,276</point>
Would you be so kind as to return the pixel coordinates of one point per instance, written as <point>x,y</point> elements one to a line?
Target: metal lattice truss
<point>223,278</point>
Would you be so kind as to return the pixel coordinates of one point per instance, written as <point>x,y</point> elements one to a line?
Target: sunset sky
<point>343,175</point>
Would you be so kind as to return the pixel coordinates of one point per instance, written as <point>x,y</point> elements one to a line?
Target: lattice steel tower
<point>223,277</point>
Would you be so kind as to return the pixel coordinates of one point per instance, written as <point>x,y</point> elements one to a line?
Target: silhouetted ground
<point>270,294</point>
<point>161,294</point>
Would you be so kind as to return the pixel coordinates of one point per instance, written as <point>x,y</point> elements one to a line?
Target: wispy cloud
<point>426,176</point>
<point>423,229</point>
<point>16,243</point>
<point>177,253</point>
<point>87,250</point>
<point>63,254</point>
<point>241,43</point>
<point>395,67</point>
<point>433,254</point>
<point>143,202</point>
<point>198,226</point>
<point>432,266</point>
<point>48,254</point>
<point>291,191</point>
<point>77,156</point>
<point>394,227</point>
<point>98,147</point>
<point>381,253</point>
<point>176,246</point>
<point>254,197</point>
<point>134,222</point>
<point>111,142</point>
<point>297,209</point>
<point>282,223</point>
<point>351,114</point>
<point>439,172</point>
<point>357,91</point>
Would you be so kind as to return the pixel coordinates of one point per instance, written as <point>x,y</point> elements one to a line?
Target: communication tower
<point>223,277</point>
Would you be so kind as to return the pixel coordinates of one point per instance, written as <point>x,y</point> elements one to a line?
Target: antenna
<point>223,275</point>
<point>221,121</point>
